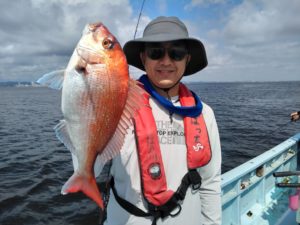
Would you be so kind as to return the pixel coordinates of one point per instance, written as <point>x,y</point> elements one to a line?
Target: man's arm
<point>210,191</point>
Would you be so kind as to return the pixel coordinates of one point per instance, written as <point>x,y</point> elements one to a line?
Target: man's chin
<point>163,84</point>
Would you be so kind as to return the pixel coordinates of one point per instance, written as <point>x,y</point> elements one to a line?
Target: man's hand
<point>295,116</point>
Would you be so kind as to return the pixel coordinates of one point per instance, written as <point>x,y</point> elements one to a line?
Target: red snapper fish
<point>98,103</point>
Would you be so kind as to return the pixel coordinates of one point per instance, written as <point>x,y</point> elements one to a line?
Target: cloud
<point>258,40</point>
<point>264,32</point>
<point>200,3</point>
<point>263,21</point>
<point>39,36</point>
<point>162,6</point>
<point>248,39</point>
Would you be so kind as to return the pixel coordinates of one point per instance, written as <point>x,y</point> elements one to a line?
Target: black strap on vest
<point>190,178</point>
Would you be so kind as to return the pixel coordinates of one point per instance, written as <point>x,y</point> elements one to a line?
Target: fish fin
<point>62,134</point>
<point>88,186</point>
<point>135,100</point>
<point>99,165</point>
<point>53,79</point>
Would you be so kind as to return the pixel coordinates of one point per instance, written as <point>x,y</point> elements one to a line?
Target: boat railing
<point>249,193</point>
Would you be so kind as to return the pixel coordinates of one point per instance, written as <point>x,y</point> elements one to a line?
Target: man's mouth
<point>165,70</point>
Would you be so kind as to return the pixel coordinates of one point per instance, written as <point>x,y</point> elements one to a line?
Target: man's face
<point>165,62</point>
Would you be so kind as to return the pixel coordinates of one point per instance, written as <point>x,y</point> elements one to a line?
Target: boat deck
<point>249,193</point>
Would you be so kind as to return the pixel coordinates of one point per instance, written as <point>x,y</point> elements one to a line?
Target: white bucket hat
<point>163,29</point>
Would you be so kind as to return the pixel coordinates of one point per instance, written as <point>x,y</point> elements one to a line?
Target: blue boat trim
<point>249,193</point>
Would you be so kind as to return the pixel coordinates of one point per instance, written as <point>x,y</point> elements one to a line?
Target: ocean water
<point>252,118</point>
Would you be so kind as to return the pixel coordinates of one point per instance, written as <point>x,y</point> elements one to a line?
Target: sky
<point>245,40</point>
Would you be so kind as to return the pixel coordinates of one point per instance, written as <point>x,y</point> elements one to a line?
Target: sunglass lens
<point>177,54</point>
<point>155,53</point>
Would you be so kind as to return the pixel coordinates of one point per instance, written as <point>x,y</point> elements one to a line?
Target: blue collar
<point>192,111</point>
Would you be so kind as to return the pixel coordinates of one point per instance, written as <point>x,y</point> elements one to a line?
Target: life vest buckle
<point>176,213</point>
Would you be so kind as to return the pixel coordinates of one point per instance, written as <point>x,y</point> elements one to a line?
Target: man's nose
<point>166,60</point>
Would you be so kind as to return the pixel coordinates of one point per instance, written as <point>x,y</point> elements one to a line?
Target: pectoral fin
<point>53,79</point>
<point>135,100</point>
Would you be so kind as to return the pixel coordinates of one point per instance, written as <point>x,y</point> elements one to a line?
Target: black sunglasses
<point>175,53</point>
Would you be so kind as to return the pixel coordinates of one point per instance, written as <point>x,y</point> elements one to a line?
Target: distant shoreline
<point>19,84</point>
<point>34,84</point>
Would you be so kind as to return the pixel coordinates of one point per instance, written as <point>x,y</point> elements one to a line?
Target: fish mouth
<point>89,55</point>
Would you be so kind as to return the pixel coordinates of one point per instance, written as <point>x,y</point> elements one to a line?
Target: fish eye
<point>107,43</point>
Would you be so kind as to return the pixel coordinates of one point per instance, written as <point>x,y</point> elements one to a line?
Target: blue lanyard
<point>191,111</point>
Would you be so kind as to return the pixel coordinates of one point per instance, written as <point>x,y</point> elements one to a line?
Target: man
<point>169,169</point>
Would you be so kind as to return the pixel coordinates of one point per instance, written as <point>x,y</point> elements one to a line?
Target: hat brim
<point>197,51</point>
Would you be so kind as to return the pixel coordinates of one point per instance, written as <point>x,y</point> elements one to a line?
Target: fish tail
<point>88,186</point>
